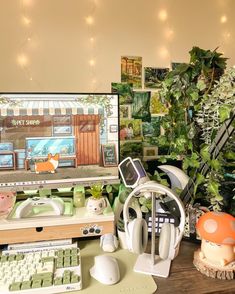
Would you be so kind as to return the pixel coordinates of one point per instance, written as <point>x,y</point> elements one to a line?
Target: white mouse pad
<point>130,282</point>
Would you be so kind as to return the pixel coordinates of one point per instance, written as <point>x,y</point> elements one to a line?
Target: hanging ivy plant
<point>188,92</point>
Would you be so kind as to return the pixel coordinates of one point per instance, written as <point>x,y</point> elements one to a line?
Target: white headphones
<point>137,229</point>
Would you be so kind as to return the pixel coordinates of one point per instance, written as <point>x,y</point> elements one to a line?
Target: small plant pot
<point>96,205</point>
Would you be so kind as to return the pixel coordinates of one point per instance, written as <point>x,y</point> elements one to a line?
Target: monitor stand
<point>80,224</point>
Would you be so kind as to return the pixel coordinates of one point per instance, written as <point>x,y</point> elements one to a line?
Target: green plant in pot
<point>96,203</point>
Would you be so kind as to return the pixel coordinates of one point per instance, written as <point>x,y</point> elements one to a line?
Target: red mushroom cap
<point>217,227</point>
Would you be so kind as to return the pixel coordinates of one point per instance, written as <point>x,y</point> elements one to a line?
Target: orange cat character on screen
<point>48,166</point>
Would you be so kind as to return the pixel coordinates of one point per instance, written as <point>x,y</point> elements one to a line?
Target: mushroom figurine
<point>217,232</point>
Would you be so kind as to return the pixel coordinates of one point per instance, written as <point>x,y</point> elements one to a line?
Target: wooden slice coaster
<point>213,270</point>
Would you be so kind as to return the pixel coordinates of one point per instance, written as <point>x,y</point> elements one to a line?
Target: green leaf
<point>205,154</point>
<point>215,164</point>
<point>194,96</point>
<point>144,209</point>
<point>200,179</point>
<point>164,182</point>
<point>109,188</point>
<point>229,155</point>
<point>224,112</point>
<point>213,189</point>
<point>162,159</point>
<point>142,200</point>
<point>201,85</point>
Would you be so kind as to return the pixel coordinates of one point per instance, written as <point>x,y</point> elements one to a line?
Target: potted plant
<point>96,203</point>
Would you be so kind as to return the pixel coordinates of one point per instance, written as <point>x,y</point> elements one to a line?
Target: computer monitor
<point>81,128</point>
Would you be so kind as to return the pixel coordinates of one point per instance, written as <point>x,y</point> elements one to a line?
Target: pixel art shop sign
<point>24,121</point>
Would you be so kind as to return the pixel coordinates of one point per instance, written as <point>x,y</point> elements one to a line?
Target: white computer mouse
<point>105,269</point>
<point>108,242</point>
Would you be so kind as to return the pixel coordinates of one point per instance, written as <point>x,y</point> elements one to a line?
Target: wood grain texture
<point>52,232</point>
<point>185,278</point>
<point>87,141</point>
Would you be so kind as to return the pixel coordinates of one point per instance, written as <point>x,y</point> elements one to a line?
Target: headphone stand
<point>150,263</point>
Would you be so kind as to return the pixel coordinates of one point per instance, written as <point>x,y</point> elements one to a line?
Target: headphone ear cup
<point>138,236</point>
<point>166,241</point>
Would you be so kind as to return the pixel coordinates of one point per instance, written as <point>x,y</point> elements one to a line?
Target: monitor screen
<point>58,140</point>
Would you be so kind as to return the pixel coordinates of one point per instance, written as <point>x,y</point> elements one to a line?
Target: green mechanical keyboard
<point>40,270</point>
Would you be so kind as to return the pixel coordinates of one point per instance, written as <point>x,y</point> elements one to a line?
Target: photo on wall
<point>153,128</point>
<point>154,76</point>
<point>141,105</point>
<point>157,107</point>
<point>131,70</point>
<point>125,111</point>
<point>150,153</point>
<point>130,130</point>
<point>125,92</point>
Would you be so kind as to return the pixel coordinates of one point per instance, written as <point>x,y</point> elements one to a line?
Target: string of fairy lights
<point>90,20</point>
<point>26,47</point>
<point>24,58</point>
<point>169,32</point>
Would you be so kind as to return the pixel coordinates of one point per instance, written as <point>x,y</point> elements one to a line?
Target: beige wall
<point>50,49</point>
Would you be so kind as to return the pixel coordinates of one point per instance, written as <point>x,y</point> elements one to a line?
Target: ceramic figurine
<point>48,166</point>
<point>96,206</point>
<point>96,203</point>
<point>216,257</point>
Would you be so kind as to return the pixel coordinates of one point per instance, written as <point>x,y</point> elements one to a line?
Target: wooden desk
<point>184,277</point>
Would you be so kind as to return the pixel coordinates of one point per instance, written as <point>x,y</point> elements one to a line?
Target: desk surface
<point>184,277</point>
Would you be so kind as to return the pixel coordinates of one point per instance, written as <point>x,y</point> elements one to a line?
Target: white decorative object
<point>96,206</point>
<point>178,178</point>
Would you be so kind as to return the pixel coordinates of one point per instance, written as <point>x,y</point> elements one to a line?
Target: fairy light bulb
<point>169,34</point>
<point>26,21</point>
<point>22,60</point>
<point>92,39</point>
<point>223,19</point>
<point>92,62</point>
<point>162,15</point>
<point>89,20</point>
<point>227,35</point>
<point>27,2</point>
<point>163,52</point>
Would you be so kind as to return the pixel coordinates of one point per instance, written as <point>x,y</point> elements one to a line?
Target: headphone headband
<point>154,187</point>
